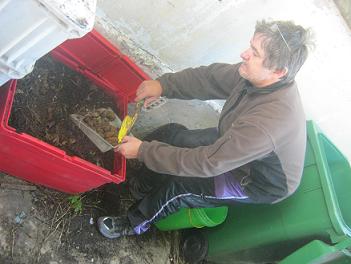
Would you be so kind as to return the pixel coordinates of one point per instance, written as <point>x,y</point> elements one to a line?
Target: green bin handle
<point>320,252</point>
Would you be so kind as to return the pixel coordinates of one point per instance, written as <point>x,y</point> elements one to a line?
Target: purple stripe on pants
<point>227,186</point>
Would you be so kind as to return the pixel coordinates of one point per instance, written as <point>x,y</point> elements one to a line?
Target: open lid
<point>335,176</point>
<point>319,252</point>
<point>97,58</point>
<point>78,15</point>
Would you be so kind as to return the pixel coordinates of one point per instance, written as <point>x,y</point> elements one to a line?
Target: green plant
<point>76,203</point>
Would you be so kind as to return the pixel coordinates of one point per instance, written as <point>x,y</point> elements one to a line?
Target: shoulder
<point>224,67</point>
<point>280,113</point>
<point>227,74</point>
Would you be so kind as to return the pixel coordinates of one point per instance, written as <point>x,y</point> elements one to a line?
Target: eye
<point>254,53</point>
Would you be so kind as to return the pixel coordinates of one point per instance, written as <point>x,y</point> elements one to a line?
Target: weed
<point>76,203</point>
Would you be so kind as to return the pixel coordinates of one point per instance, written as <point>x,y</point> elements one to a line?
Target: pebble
<point>19,217</point>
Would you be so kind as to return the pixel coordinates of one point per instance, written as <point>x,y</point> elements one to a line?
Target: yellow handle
<point>129,121</point>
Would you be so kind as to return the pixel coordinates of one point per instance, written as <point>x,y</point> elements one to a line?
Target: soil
<point>47,226</point>
<point>79,234</point>
<point>44,100</point>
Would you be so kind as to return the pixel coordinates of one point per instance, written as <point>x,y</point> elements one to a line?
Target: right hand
<point>129,147</point>
<point>149,90</point>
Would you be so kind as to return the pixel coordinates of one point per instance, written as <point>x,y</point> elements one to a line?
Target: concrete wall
<point>345,9</point>
<point>174,34</point>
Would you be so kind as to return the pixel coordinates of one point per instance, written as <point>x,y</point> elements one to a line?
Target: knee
<point>165,133</point>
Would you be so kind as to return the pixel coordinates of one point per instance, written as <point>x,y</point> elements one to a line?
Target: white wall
<point>183,33</point>
<point>187,33</point>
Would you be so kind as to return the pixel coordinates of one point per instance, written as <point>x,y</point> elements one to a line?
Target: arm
<point>215,81</point>
<point>241,144</point>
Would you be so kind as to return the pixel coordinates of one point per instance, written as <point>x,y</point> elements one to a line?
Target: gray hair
<point>286,45</point>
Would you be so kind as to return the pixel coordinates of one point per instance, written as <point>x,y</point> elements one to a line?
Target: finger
<point>117,148</point>
<point>140,96</point>
<point>149,100</point>
<point>141,86</point>
<point>140,89</point>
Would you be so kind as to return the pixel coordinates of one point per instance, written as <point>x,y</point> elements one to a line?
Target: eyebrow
<point>255,50</point>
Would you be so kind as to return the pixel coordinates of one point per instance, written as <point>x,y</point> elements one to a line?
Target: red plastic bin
<point>31,159</point>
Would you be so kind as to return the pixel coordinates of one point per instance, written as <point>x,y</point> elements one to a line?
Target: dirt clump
<point>100,121</point>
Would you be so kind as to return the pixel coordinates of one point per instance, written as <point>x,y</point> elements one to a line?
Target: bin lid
<point>317,251</point>
<point>78,14</point>
<point>98,58</point>
<point>335,179</point>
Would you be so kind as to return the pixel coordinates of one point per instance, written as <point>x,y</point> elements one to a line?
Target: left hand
<point>129,147</point>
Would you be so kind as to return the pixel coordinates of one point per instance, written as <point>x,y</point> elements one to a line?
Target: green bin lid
<point>335,175</point>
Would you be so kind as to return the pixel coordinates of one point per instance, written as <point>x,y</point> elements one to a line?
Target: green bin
<point>319,209</point>
<point>320,252</point>
<point>193,217</point>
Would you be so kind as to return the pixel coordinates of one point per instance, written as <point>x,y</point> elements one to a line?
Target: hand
<point>129,147</point>
<point>149,90</point>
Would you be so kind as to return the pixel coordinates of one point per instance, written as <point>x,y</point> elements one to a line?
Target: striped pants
<point>162,195</point>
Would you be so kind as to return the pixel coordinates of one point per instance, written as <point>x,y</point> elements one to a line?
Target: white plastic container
<point>31,28</point>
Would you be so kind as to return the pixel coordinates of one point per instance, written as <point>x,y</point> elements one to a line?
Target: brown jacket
<point>262,133</point>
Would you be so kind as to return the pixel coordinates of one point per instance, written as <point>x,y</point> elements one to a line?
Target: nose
<point>245,55</point>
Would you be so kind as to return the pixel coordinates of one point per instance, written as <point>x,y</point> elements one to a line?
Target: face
<point>252,68</point>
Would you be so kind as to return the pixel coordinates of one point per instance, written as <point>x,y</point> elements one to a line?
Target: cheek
<point>258,68</point>
<point>265,72</point>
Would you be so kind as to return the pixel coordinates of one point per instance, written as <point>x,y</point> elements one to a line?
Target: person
<point>255,155</point>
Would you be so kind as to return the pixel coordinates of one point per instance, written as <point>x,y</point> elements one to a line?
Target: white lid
<point>79,15</point>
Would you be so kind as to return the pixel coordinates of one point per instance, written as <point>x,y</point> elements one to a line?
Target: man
<point>256,154</point>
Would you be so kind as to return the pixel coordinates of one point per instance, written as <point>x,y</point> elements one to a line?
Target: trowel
<point>122,128</point>
<point>102,144</point>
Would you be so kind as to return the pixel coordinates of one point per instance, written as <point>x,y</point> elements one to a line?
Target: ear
<point>281,73</point>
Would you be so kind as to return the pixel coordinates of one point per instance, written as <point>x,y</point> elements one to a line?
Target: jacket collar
<point>266,90</point>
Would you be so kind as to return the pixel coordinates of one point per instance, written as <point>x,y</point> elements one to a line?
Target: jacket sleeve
<point>242,143</point>
<point>215,81</point>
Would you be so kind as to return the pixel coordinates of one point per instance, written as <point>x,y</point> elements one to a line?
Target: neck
<point>265,83</point>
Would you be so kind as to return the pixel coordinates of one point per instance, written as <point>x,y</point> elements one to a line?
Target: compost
<point>46,98</point>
